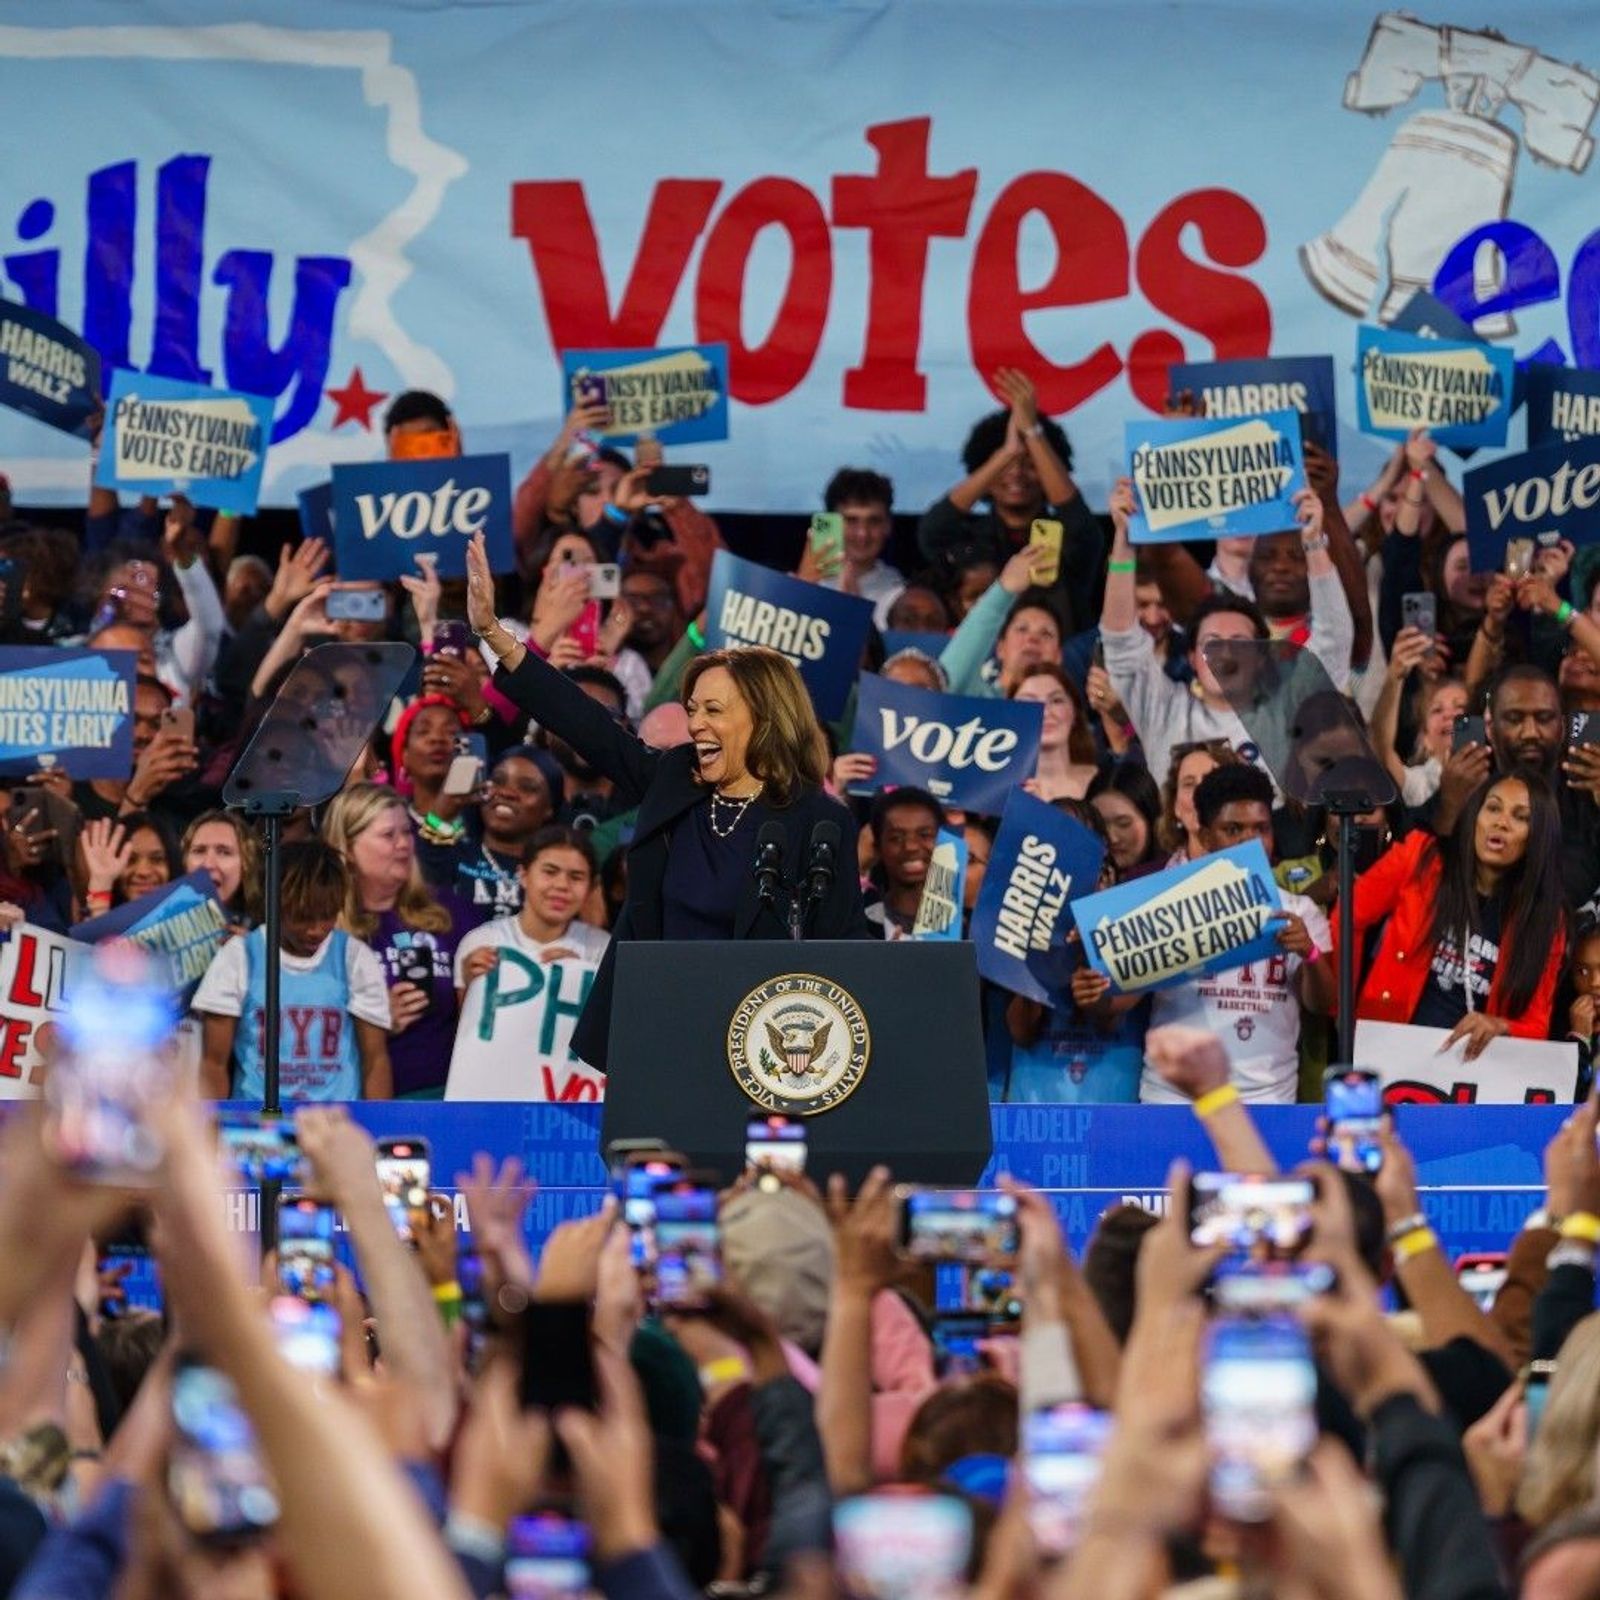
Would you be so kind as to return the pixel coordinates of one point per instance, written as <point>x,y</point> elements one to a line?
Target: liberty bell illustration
<point>1445,171</point>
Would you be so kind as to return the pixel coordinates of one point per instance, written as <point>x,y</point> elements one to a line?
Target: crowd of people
<point>466,827</point>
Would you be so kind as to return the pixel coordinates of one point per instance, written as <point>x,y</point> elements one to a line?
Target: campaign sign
<point>47,371</point>
<point>1461,392</point>
<point>1201,917</point>
<point>897,639</point>
<point>939,909</point>
<point>182,922</point>
<point>1042,860</point>
<point>1198,478</point>
<point>1427,316</point>
<point>1275,383</point>
<point>1563,404</point>
<point>36,971</point>
<point>679,395</point>
<point>820,630</point>
<point>1418,1070</point>
<point>316,512</point>
<point>163,436</point>
<point>514,1036</point>
<point>964,751</point>
<point>74,707</point>
<point>387,513</point>
<point>1546,494</point>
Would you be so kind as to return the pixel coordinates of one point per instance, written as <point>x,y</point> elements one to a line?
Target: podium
<point>877,1047</point>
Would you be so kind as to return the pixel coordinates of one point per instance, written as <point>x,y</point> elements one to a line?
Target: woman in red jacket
<point>1492,889</point>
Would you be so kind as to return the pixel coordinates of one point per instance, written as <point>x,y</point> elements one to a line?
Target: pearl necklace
<point>739,809</point>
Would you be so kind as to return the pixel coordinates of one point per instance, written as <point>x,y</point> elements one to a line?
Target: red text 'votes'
<point>903,208</point>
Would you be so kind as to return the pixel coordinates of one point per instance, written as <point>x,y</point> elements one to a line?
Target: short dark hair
<point>315,881</point>
<point>886,800</point>
<point>558,836</point>
<point>1230,785</point>
<point>1111,1264</point>
<point>146,680</point>
<point>601,679</point>
<point>1519,672</point>
<point>1033,600</point>
<point>858,486</point>
<point>416,405</point>
<point>989,434</point>
<point>1225,600</point>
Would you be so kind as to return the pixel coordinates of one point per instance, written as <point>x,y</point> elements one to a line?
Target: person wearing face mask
<point>1475,922</point>
<point>756,754</point>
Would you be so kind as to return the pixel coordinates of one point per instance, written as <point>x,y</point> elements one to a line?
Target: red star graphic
<point>354,402</point>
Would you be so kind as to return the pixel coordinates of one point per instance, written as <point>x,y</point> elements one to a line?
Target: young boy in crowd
<point>333,1002</point>
<point>558,871</point>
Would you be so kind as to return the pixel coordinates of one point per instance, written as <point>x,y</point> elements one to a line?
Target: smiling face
<point>1219,625</point>
<point>1500,839</point>
<point>214,850</point>
<point>556,883</point>
<point>382,853</point>
<point>1438,726</point>
<point>720,726</point>
<point>147,864</point>
<point>866,530</point>
<point>516,802</point>
<point>906,847</point>
<point>1059,712</point>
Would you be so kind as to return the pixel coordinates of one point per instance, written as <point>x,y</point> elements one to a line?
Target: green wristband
<point>1565,613</point>
<point>696,637</point>
<point>1122,566</point>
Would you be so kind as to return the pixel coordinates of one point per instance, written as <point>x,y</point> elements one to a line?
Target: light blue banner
<point>72,708</point>
<point>330,212</point>
<point>1198,478</point>
<point>677,396</point>
<point>1461,392</point>
<point>1203,916</point>
<point>939,910</point>
<point>182,922</point>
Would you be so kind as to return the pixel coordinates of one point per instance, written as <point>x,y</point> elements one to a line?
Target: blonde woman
<point>413,929</point>
<point>1559,1475</point>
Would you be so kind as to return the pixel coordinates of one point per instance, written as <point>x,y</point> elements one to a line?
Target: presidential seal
<point>798,1044</point>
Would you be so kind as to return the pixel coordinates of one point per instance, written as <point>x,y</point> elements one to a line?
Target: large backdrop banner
<point>325,216</point>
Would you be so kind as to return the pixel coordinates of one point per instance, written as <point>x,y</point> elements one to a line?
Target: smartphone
<point>826,539</point>
<point>968,1225</point>
<point>1048,532</point>
<point>414,965</point>
<point>1353,1100</point>
<point>452,638</point>
<point>1482,1276</point>
<point>993,1291</point>
<point>688,1240</point>
<point>1256,1288</point>
<point>463,775</point>
<point>1468,730</point>
<point>178,723</point>
<point>957,1336</point>
<point>605,580</point>
<point>1536,1378</point>
<point>557,1356</point>
<point>1061,1450</point>
<point>261,1146</point>
<point>775,1141</point>
<point>469,1278</point>
<point>356,605</point>
<point>1264,1218</point>
<point>216,1479</point>
<point>589,389</point>
<point>1519,557</point>
<point>404,1173</point>
<point>638,1192</point>
<point>680,481</point>
<point>585,632</point>
<point>1421,611</point>
<point>1258,1391</point>
<point>305,1247</point>
<point>307,1334</point>
<point>113,1066</point>
<point>28,809</point>
<point>1583,727</point>
<point>547,1558</point>
<point>623,1153</point>
<point>902,1544</point>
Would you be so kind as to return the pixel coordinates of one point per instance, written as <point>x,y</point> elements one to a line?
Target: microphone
<point>769,861</point>
<point>821,863</point>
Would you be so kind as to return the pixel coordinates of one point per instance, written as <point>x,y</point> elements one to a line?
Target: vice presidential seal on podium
<point>799,1044</point>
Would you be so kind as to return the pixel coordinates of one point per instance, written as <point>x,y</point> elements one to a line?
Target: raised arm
<point>1410,648</point>
<point>534,686</point>
<point>1322,473</point>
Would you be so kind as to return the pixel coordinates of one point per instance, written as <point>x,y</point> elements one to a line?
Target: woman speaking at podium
<point>728,824</point>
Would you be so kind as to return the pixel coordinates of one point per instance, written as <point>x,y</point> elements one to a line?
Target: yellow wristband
<point>724,1369</point>
<point>1584,1225</point>
<point>446,1293</point>
<point>1414,1243</point>
<point>1215,1099</point>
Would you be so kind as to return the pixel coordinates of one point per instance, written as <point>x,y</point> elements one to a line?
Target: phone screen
<point>957,1336</point>
<point>973,1225</point>
<point>688,1243</point>
<point>1353,1100</point>
<point>1267,1219</point>
<point>1482,1277</point>
<point>1061,1448</point>
<point>305,1247</point>
<point>215,1476</point>
<point>355,605</point>
<point>1255,1287</point>
<point>1536,1392</point>
<point>307,1334</point>
<point>775,1141</point>
<point>403,1175</point>
<point>902,1545</point>
<point>557,1359</point>
<point>261,1146</point>
<point>1258,1392</point>
<point>547,1558</point>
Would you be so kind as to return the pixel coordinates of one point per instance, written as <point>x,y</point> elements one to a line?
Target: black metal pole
<point>1347,938</point>
<point>272,1021</point>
